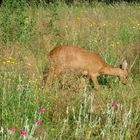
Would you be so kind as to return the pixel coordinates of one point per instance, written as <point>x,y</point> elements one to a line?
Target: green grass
<point>73,110</point>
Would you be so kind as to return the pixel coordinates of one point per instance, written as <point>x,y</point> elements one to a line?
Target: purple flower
<point>114,104</point>
<point>23,132</point>
<point>38,122</point>
<point>13,129</point>
<point>42,110</point>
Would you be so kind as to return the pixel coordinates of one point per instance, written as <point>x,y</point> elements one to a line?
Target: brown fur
<point>73,57</point>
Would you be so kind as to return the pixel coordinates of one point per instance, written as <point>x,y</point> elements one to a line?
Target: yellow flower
<point>66,26</point>
<point>78,18</point>
<point>91,24</point>
<point>112,45</point>
<point>117,42</point>
<point>8,61</point>
<point>29,64</point>
<point>12,62</point>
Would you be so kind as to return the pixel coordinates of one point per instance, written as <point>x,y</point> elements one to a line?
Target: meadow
<point>71,109</point>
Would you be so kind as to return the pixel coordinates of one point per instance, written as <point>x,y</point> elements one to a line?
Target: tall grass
<point>71,109</point>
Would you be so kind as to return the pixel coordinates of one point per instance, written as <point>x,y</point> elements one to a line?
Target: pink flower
<point>23,132</point>
<point>42,110</point>
<point>114,104</point>
<point>38,121</point>
<point>13,129</point>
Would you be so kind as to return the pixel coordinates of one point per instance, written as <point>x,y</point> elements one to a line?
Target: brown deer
<point>73,57</point>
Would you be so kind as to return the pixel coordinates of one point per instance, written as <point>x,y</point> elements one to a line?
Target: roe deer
<point>73,57</point>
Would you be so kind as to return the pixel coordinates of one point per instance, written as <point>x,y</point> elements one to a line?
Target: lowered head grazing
<point>73,57</point>
<point>124,74</point>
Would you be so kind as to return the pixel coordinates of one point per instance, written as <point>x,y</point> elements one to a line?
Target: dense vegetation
<point>70,109</point>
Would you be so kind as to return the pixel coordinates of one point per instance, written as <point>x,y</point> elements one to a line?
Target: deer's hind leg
<point>95,80</point>
<point>53,72</point>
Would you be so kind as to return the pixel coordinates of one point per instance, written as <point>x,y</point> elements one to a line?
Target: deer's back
<point>75,57</point>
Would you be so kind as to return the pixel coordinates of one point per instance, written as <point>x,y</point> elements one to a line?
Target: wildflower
<point>8,61</point>
<point>13,62</point>
<point>28,64</point>
<point>23,132</point>
<point>112,44</point>
<point>78,18</point>
<point>13,129</point>
<point>114,104</point>
<point>66,26</point>
<point>42,110</point>
<point>91,25</point>
<point>134,27</point>
<point>118,43</point>
<point>38,122</point>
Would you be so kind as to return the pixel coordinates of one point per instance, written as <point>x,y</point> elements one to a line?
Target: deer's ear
<point>124,65</point>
